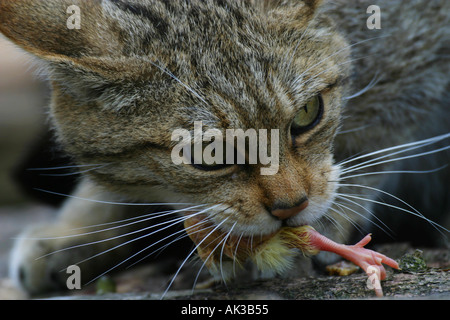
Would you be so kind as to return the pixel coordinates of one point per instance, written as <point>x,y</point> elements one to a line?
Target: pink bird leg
<point>369,260</point>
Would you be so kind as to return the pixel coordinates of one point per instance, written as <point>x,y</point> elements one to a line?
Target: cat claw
<point>370,261</point>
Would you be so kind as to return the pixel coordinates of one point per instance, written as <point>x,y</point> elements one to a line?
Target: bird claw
<point>370,261</point>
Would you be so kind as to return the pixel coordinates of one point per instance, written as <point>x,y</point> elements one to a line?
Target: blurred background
<point>23,99</point>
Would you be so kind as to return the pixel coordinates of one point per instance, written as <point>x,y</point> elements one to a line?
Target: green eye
<point>308,116</point>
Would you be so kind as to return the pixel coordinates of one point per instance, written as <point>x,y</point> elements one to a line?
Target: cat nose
<point>283,211</point>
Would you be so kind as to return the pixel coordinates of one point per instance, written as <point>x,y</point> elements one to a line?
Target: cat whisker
<point>371,84</point>
<point>343,177</point>
<point>190,254</point>
<point>251,243</point>
<point>157,214</point>
<point>297,83</point>
<point>413,211</point>
<point>346,217</point>
<point>336,53</point>
<point>364,217</point>
<point>171,223</point>
<point>183,233</point>
<point>235,252</point>
<point>297,46</point>
<point>223,241</point>
<point>205,220</point>
<point>355,129</point>
<point>143,218</point>
<point>368,211</point>
<point>221,252</point>
<point>72,173</point>
<point>67,167</point>
<point>417,144</point>
<point>170,74</point>
<point>369,163</point>
<point>139,252</point>
<point>113,202</point>
<point>165,246</point>
<point>125,260</point>
<point>333,221</point>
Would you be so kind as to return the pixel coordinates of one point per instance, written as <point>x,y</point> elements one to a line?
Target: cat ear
<point>76,43</point>
<point>57,30</point>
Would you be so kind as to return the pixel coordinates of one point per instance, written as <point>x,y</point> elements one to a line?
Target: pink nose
<point>286,213</point>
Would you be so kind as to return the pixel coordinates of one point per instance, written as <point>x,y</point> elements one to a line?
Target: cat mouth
<point>202,225</point>
<point>210,240</point>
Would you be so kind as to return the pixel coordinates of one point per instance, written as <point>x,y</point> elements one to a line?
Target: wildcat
<point>347,101</point>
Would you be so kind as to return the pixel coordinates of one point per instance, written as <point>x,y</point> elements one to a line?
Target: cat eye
<point>199,161</point>
<point>308,116</point>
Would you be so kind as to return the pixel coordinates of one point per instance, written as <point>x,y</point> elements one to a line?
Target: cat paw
<point>42,254</point>
<point>32,266</point>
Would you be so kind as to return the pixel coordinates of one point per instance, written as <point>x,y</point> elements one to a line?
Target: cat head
<point>127,73</point>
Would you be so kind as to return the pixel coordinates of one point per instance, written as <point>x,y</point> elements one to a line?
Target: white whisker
<point>336,53</point>
<point>420,144</point>
<point>296,47</point>
<point>171,223</point>
<point>184,234</point>
<point>346,217</point>
<point>333,221</point>
<point>296,83</point>
<point>371,84</point>
<point>363,216</point>
<point>137,253</point>
<point>343,177</point>
<point>170,74</point>
<point>71,173</point>
<point>158,214</point>
<point>415,212</point>
<point>368,165</point>
<point>355,129</point>
<point>143,218</point>
<point>111,202</point>
<point>224,240</point>
<point>235,253</point>
<point>67,167</point>
<point>221,252</point>
<point>190,254</point>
